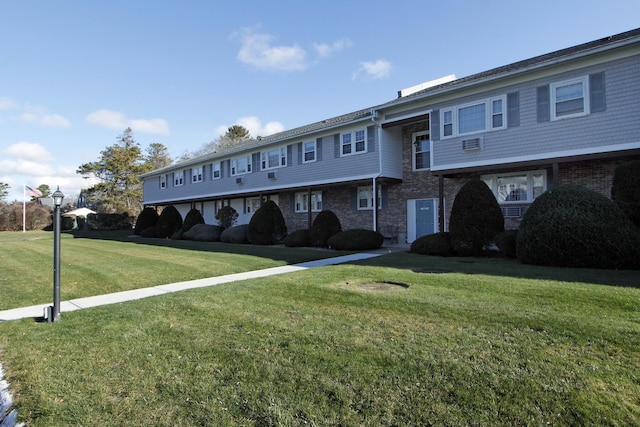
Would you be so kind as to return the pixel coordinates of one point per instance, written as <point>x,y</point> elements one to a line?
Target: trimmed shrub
<point>356,240</point>
<point>475,220</point>
<point>203,233</point>
<point>149,232</point>
<point>267,226</point>
<point>506,242</point>
<point>106,221</point>
<point>299,238</point>
<point>438,244</point>
<point>192,218</point>
<point>147,218</point>
<point>625,190</point>
<point>169,222</point>
<point>572,226</point>
<point>227,217</point>
<point>325,225</point>
<point>237,234</point>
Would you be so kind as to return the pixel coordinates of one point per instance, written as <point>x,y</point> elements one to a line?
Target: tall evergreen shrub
<point>325,225</point>
<point>475,220</point>
<point>625,190</point>
<point>169,222</point>
<point>267,225</point>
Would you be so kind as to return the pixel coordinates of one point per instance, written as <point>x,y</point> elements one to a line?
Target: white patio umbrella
<point>79,212</point>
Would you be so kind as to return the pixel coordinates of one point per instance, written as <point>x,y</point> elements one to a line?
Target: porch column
<point>375,205</point>
<point>441,202</point>
<point>309,208</point>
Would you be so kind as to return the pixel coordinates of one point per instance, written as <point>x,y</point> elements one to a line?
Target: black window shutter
<point>300,154</point>
<point>354,198</point>
<point>434,125</point>
<point>255,160</point>
<point>385,196</point>
<point>336,145</point>
<point>222,169</point>
<point>513,109</point>
<point>597,94</point>
<point>371,139</point>
<point>543,104</point>
<point>318,149</point>
<point>290,155</point>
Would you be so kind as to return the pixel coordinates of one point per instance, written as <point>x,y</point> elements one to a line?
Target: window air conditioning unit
<point>511,211</point>
<point>472,144</point>
<point>272,175</point>
<point>239,180</point>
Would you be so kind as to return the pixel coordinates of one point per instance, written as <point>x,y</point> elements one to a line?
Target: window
<point>309,153</point>
<point>301,202</point>
<point>215,170</point>
<point>569,99</point>
<point>196,174</point>
<point>365,198</point>
<point>274,158</point>
<point>521,187</point>
<point>178,178</point>
<point>354,142</point>
<point>474,118</point>
<point>240,165</point>
<point>163,181</point>
<point>421,150</point>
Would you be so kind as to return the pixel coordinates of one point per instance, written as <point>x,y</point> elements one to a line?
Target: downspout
<point>374,117</point>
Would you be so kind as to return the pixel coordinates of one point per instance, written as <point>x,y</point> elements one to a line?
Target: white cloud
<point>27,151</point>
<point>6,103</point>
<point>118,121</point>
<point>325,50</point>
<point>256,50</point>
<point>254,126</point>
<point>25,167</point>
<point>35,114</point>
<point>378,69</point>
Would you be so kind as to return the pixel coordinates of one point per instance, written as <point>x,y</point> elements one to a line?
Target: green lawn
<point>93,267</point>
<point>462,342</point>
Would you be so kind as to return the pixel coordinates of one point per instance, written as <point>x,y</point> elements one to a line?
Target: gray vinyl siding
<point>329,167</point>
<point>542,139</point>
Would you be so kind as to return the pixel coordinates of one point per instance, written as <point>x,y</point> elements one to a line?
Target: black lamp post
<point>57,201</point>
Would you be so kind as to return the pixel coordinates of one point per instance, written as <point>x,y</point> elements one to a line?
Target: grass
<point>467,342</point>
<point>99,266</point>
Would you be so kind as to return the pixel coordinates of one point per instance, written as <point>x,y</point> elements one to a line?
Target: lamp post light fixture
<point>57,201</point>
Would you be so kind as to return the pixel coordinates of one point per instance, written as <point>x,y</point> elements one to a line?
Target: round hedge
<point>267,226</point>
<point>325,225</point>
<point>147,218</point>
<point>625,190</point>
<point>572,226</point>
<point>169,222</point>
<point>438,244</point>
<point>475,219</point>
<point>356,240</point>
<point>236,234</point>
<point>297,239</point>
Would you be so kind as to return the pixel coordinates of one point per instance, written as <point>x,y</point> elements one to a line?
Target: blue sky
<point>75,74</point>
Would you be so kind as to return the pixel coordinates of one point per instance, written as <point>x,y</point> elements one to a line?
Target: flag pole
<point>24,208</point>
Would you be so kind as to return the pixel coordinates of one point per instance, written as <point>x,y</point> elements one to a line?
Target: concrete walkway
<point>38,311</point>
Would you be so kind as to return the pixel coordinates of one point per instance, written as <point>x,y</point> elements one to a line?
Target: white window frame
<point>178,178</point>
<point>301,202</point>
<point>163,181</point>
<point>415,146</point>
<point>368,189</point>
<point>235,171</point>
<point>502,194</point>
<point>450,117</point>
<point>216,169</point>
<point>554,87</point>
<point>313,145</point>
<point>351,141</point>
<point>265,158</point>
<point>197,174</point>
